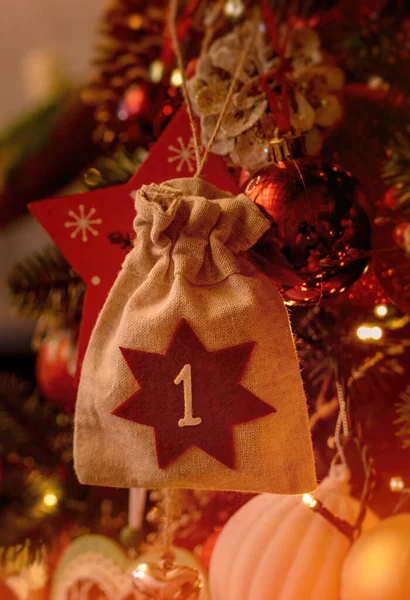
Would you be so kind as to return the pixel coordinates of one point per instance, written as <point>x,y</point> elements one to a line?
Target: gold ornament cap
<point>287,148</point>
<point>168,580</point>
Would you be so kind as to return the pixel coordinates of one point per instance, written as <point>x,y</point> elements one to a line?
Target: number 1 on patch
<point>185,376</point>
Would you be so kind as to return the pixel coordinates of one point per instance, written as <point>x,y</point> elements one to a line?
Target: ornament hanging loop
<point>342,426</point>
<point>172,17</point>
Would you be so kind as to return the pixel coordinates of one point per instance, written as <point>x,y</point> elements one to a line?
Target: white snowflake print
<point>183,154</point>
<point>83,223</point>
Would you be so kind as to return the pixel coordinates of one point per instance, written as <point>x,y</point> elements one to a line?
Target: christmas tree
<point>234,326</point>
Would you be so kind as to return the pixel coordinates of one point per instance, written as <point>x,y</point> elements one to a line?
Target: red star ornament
<point>82,225</point>
<point>191,397</point>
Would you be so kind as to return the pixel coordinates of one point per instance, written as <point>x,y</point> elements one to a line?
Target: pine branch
<point>16,557</point>
<point>371,39</point>
<point>28,135</point>
<point>35,450</point>
<point>46,282</point>
<point>375,49</point>
<point>115,168</point>
<point>29,427</point>
<point>67,152</point>
<point>403,420</point>
<point>396,169</point>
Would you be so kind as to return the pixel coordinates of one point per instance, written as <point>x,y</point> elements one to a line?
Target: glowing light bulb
<point>365,332</point>
<point>233,9</point>
<point>156,71</point>
<point>309,500</point>
<point>140,571</point>
<point>375,82</point>
<point>176,78</point>
<point>396,484</point>
<point>50,499</point>
<point>135,22</point>
<point>133,103</point>
<point>381,310</point>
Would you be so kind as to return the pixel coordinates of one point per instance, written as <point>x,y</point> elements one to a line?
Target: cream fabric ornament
<point>191,377</point>
<point>276,548</point>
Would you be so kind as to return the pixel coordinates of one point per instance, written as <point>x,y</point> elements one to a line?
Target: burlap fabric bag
<point>191,377</point>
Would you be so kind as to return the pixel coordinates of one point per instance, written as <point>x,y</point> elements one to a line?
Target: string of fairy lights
<point>397,485</point>
<point>341,436</point>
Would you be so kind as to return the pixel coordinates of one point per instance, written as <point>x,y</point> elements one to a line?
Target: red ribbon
<point>281,113</point>
<point>277,110</point>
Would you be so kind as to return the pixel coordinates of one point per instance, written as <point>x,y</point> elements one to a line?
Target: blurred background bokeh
<point>39,41</point>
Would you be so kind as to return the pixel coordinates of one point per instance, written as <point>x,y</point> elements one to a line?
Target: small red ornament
<point>207,548</point>
<point>390,199</point>
<point>217,403</point>
<point>401,235</point>
<point>320,234</point>
<point>55,369</point>
<point>135,102</point>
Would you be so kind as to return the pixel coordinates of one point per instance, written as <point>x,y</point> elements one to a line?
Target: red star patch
<point>192,397</point>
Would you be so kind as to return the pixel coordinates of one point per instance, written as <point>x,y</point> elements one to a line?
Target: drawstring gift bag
<point>191,378</point>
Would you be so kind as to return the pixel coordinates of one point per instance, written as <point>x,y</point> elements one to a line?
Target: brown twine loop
<point>177,49</point>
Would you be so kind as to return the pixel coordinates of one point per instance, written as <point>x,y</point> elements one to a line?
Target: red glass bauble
<point>135,102</point>
<point>390,199</point>
<point>401,235</point>
<point>55,369</point>
<point>320,234</point>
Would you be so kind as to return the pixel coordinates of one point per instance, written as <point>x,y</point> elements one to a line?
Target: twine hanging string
<point>177,49</point>
<point>350,530</point>
<point>210,24</point>
<point>172,24</point>
<point>184,24</point>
